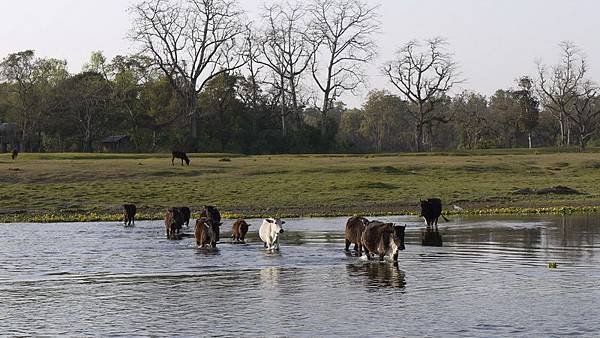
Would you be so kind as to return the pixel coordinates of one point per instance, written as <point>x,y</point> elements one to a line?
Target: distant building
<point>9,138</point>
<point>117,144</point>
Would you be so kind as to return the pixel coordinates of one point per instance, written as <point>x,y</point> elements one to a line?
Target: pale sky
<point>494,41</point>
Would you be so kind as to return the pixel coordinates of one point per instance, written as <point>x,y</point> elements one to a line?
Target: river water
<point>491,278</point>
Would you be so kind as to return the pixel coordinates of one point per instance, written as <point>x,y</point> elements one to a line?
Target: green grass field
<point>56,187</point>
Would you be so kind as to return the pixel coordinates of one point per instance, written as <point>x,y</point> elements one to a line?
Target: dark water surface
<point>490,279</point>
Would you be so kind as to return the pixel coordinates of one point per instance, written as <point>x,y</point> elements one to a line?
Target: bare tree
<point>558,85</point>
<point>191,41</point>
<point>286,50</point>
<point>342,33</point>
<point>423,77</point>
<point>584,113</point>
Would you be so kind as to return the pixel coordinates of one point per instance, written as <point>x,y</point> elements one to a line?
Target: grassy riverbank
<point>69,187</point>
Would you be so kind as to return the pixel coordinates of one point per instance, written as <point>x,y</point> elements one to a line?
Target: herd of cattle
<point>372,237</point>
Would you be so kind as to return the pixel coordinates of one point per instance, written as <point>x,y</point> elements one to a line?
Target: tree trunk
<point>193,112</point>
<point>529,139</point>
<point>324,115</point>
<point>154,139</point>
<point>418,136</point>
<point>582,141</point>
<point>282,113</point>
<point>561,141</point>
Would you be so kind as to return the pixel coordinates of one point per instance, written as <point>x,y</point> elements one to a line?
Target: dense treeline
<point>204,81</point>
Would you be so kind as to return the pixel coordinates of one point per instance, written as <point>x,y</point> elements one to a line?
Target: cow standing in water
<point>173,223</point>
<point>211,213</point>
<point>431,210</point>
<point>354,229</point>
<point>383,239</point>
<point>185,212</point>
<point>269,232</point>
<point>181,155</point>
<point>239,230</point>
<point>207,232</point>
<point>129,211</point>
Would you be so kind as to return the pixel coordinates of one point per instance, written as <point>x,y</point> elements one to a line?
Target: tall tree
<point>382,120</point>
<point>126,76</point>
<point>423,77</point>
<point>31,79</point>
<point>558,85</point>
<point>191,41</point>
<point>286,50</point>
<point>505,118</point>
<point>529,106</point>
<point>342,33</point>
<point>86,102</point>
<point>584,113</point>
<point>470,112</point>
<point>223,118</point>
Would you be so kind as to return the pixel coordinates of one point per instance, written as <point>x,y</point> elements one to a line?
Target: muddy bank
<point>464,208</point>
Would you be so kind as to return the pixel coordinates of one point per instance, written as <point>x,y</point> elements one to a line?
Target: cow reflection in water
<point>378,274</point>
<point>270,277</point>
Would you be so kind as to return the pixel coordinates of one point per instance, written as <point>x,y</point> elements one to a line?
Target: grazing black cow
<point>173,222</point>
<point>354,229</point>
<point>14,154</point>
<point>181,155</point>
<point>211,212</point>
<point>431,210</point>
<point>383,239</point>
<point>129,211</point>
<point>206,232</point>
<point>185,212</point>
<point>239,230</point>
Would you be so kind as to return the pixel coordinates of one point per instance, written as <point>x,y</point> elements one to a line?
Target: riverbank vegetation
<point>276,86</point>
<point>86,187</point>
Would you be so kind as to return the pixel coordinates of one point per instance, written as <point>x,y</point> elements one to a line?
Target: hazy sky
<point>494,41</point>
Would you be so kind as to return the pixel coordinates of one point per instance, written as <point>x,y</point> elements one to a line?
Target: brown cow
<point>207,232</point>
<point>173,222</point>
<point>239,230</point>
<point>129,211</point>
<point>354,230</point>
<point>383,239</point>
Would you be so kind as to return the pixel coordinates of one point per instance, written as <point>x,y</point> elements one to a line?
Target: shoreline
<point>68,217</point>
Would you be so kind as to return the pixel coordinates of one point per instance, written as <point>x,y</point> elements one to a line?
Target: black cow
<point>431,210</point>
<point>211,212</point>
<point>129,211</point>
<point>179,154</point>
<point>185,212</point>
<point>14,154</point>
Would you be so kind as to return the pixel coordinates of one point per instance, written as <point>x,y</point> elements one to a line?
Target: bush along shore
<point>145,216</point>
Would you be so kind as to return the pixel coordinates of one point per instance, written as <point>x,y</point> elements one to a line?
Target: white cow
<point>269,232</point>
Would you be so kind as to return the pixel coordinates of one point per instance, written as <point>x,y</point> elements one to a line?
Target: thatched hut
<point>117,144</point>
